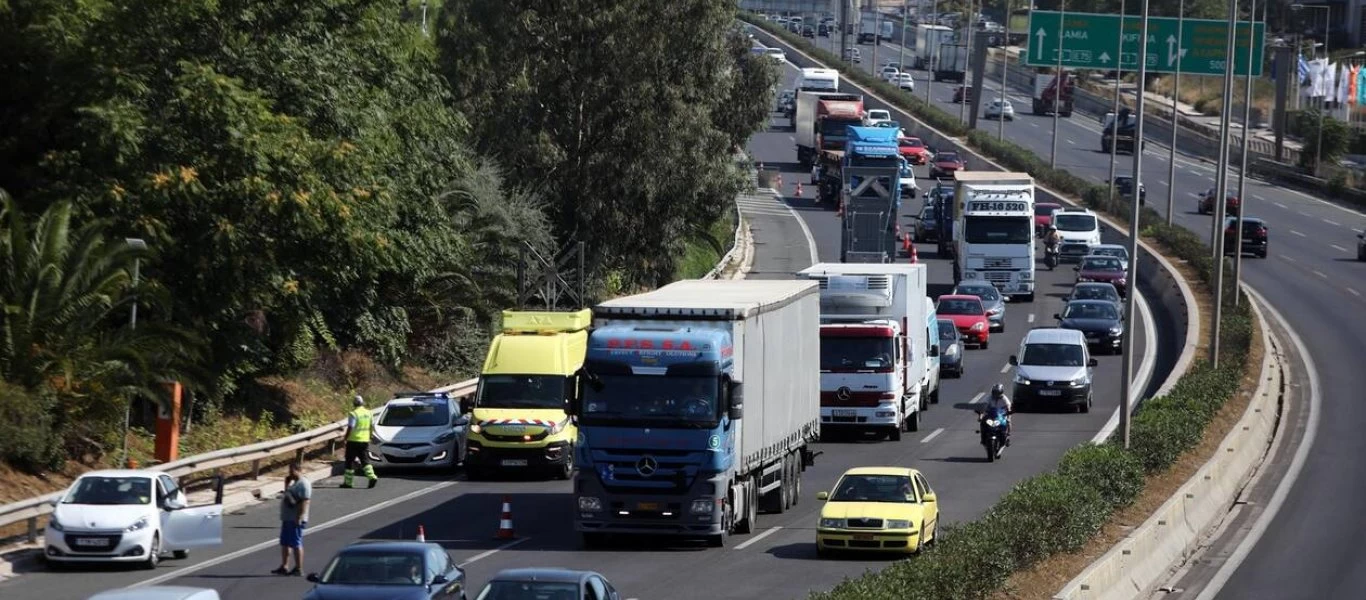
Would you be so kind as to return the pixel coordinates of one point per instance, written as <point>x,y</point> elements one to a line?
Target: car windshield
<point>1074,222</point>
<point>959,306</point>
<point>947,332</point>
<point>375,568</point>
<point>1090,310</point>
<point>927,214</point>
<point>685,401</point>
<point>985,292</point>
<point>879,114</point>
<point>911,143</point>
<point>946,157</point>
<point>1119,253</point>
<point>874,488</point>
<point>522,391</point>
<point>857,353</point>
<point>416,414</point>
<point>97,489</point>
<point>1053,355</point>
<point>998,230</point>
<point>1101,263</point>
<point>529,590</point>
<point>1095,292</point>
<point>1043,210</point>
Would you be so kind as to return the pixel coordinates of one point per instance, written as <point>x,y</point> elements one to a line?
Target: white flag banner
<point>1344,74</point>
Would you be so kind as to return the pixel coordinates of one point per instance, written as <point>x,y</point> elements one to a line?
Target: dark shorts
<point>292,534</point>
<point>355,451</point>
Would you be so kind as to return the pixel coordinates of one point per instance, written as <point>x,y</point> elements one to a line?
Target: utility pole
<point>1057,89</point>
<point>1119,77</point>
<point>1127,361</point>
<point>1221,187</point>
<point>968,64</point>
<point>1005,71</point>
<point>1176,120</point>
<point>1247,135</point>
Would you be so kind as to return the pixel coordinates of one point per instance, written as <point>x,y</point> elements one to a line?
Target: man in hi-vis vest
<point>358,426</point>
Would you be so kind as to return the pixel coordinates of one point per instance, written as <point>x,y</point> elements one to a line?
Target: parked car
<point>402,570</point>
<point>555,584</point>
<point>877,509</point>
<point>1254,236</point>
<point>950,349</point>
<point>419,430</point>
<point>1098,320</point>
<point>945,164</point>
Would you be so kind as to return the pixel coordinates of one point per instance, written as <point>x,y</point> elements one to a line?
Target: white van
<point>819,80</point>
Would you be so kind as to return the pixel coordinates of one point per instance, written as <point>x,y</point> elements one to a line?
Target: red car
<point>1205,205</point>
<point>962,94</point>
<point>968,315</point>
<point>914,150</point>
<point>1104,269</point>
<point>1043,215</point>
<point>945,164</point>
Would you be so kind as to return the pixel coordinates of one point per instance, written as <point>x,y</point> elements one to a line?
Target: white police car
<point>419,430</point>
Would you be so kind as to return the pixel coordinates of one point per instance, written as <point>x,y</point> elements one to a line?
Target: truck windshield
<point>857,354</point>
<point>998,230</point>
<point>522,391</point>
<point>834,127</point>
<point>685,401</point>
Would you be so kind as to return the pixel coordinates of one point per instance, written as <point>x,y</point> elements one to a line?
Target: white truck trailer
<point>697,404</point>
<point>875,346</point>
<point>928,39</point>
<point>952,64</point>
<point>994,231</point>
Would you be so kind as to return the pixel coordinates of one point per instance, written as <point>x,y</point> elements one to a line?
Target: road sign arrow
<point>1172,54</point>
<point>1040,35</point>
<point>1104,58</point>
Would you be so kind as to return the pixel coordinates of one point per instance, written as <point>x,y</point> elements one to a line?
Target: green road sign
<point>1092,41</point>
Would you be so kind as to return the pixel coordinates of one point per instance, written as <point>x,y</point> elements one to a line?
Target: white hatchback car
<point>905,82</point>
<point>419,430</point>
<point>128,516</point>
<point>1000,109</point>
<point>878,115</point>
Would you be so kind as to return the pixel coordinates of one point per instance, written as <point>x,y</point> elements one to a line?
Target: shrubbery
<point>1062,510</point>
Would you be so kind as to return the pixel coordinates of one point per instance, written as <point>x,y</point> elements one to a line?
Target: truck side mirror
<point>1057,316</point>
<point>466,405</point>
<point>934,351</point>
<point>1014,361</point>
<point>736,409</point>
<point>1093,362</point>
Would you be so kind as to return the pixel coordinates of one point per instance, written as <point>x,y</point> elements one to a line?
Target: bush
<point>1062,510</point>
<point>28,434</point>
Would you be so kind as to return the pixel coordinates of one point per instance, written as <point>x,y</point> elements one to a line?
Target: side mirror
<point>55,501</point>
<point>929,497</point>
<point>313,577</point>
<point>736,391</point>
<point>934,351</point>
<point>439,579</point>
<point>1093,362</point>
<point>176,502</point>
<point>1057,316</point>
<point>822,496</point>
<point>466,405</point>
<point>1077,268</point>
<point>1013,360</point>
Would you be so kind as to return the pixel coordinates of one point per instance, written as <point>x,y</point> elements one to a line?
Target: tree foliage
<point>626,113</point>
<point>1336,138</point>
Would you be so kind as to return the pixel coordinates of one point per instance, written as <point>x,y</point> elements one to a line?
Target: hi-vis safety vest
<point>361,432</point>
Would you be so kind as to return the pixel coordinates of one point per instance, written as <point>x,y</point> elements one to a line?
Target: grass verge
<point>1062,511</point>
<point>704,250</point>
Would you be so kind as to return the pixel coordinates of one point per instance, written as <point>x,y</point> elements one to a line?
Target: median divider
<point>1143,558</point>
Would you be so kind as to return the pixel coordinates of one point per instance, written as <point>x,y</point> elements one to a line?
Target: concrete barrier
<point>1140,561</point>
<point>1156,274</point>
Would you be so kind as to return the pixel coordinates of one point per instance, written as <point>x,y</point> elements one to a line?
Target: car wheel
<point>567,470</point>
<point>1085,406</point>
<point>984,344</point>
<point>153,553</point>
<point>181,554</point>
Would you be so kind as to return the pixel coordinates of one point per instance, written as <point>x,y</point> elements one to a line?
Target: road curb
<point>1141,560</point>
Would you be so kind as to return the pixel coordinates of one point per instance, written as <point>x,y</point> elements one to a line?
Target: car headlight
<point>898,524</point>
<point>832,523</point>
<point>476,428</point>
<point>590,504</point>
<point>54,524</point>
<point>979,326</point>
<point>1021,379</point>
<point>444,438</point>
<point>951,351</point>
<point>702,506</point>
<point>1079,382</point>
<point>1116,330</point>
<point>140,524</point>
<point>1084,280</point>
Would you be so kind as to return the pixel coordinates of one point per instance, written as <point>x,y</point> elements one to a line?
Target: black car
<point>1098,320</point>
<point>927,225</point>
<point>808,32</point>
<point>1097,290</point>
<point>1254,236</point>
<point>950,350</point>
<point>560,584</point>
<point>390,570</point>
<point>1124,186</point>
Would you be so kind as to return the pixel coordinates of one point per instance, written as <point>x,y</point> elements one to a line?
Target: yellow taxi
<point>878,509</point>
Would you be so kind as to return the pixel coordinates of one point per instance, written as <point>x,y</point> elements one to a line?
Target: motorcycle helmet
<point>998,391</point>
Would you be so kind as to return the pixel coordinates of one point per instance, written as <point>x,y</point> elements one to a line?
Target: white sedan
<point>128,516</point>
<point>1000,109</point>
<point>776,54</point>
<point>878,115</point>
<point>904,81</point>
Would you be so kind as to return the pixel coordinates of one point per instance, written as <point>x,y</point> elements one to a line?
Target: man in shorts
<point>293,518</point>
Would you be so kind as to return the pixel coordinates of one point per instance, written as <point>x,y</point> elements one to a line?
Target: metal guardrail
<point>34,508</point>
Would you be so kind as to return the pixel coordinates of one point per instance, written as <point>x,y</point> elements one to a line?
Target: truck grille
<point>619,471</point>
<point>997,276</point>
<point>998,263</point>
<point>853,399</point>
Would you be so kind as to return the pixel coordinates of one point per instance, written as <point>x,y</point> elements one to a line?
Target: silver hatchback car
<point>419,430</point>
<point>992,301</point>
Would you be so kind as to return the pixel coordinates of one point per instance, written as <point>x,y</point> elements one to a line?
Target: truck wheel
<point>786,487</point>
<point>797,480</point>
<point>748,524</point>
<point>1027,298</point>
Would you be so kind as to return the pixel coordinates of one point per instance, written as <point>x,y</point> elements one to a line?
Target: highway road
<point>1315,283</point>
<point>777,561</point>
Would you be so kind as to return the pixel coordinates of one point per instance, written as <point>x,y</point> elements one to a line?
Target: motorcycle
<point>1050,257</point>
<point>993,430</point>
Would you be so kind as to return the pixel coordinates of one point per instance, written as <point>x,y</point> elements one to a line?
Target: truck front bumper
<point>554,454</point>
<point>599,510</point>
<point>881,417</point>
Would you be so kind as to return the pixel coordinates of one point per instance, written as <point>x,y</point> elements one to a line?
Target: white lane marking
<point>1287,258</point>
<point>1304,214</point>
<point>1258,197</point>
<point>1354,292</point>
<point>977,398</point>
<point>1005,367</point>
<point>1320,274</point>
<point>1332,222</point>
<point>1071,142</point>
<point>1193,194</point>
<point>1235,560</point>
<point>1281,205</point>
<point>1145,369</point>
<point>806,231</point>
<point>1033,124</point>
<point>487,553</point>
<point>932,435</point>
<point>1339,248</point>
<point>791,139</point>
<point>1297,233</point>
<point>271,543</point>
<point>750,542</point>
<point>1030,319</point>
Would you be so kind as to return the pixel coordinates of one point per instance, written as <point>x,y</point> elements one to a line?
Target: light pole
<point>901,58</point>
<point>139,245</point>
<point>963,108</point>
<point>1005,70</point>
<point>934,51</point>
<point>1176,121</point>
<point>1127,361</point>
<point>1221,185</point>
<point>1327,13</point>
<point>1119,77</point>
<point>1247,135</point>
<point>424,17</point>
<point>1057,87</point>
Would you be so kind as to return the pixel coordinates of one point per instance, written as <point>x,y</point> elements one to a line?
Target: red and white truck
<point>822,122</point>
<point>1047,99</point>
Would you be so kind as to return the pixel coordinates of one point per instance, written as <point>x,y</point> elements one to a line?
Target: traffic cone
<point>799,189</point>
<point>421,534</point>
<point>915,257</point>
<point>505,530</point>
<point>907,245</point>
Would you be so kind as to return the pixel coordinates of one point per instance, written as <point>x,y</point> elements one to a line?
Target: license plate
<point>843,413</point>
<point>647,506</point>
<point>90,542</point>
<point>863,537</point>
<point>1092,338</point>
<point>514,462</point>
<point>1050,392</point>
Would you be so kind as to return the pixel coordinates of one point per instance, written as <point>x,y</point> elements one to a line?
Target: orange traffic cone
<point>505,530</point>
<point>915,257</point>
<point>421,534</point>
<point>799,189</point>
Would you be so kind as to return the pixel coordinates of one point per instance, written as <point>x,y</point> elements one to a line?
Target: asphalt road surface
<point>778,560</point>
<point>1310,548</point>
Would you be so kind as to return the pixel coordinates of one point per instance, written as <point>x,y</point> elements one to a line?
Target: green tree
<point>1336,137</point>
<point>624,112</point>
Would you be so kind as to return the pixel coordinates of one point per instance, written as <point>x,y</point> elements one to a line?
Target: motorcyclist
<point>998,401</point>
<point>1051,239</point>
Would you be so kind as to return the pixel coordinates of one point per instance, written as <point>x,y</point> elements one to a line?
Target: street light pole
<point>963,108</point>
<point>901,58</point>
<point>934,51</point>
<point>139,245</point>
<point>1221,186</point>
<point>1057,87</point>
<point>1318,150</point>
<point>1176,121</point>
<point>1247,135</point>
<point>1119,77</point>
<point>1005,71</point>
<point>1127,361</point>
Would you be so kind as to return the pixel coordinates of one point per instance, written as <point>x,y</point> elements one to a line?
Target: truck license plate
<point>843,413</point>
<point>514,462</point>
<point>647,506</point>
<point>1050,392</point>
<point>90,542</point>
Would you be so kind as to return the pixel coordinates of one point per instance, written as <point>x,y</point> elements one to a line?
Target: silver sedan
<point>992,301</point>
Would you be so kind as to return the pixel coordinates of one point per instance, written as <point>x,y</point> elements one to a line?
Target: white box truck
<point>952,64</point>
<point>994,231</point>
<point>697,404</point>
<point>928,39</point>
<point>868,29</point>
<point>875,346</point>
